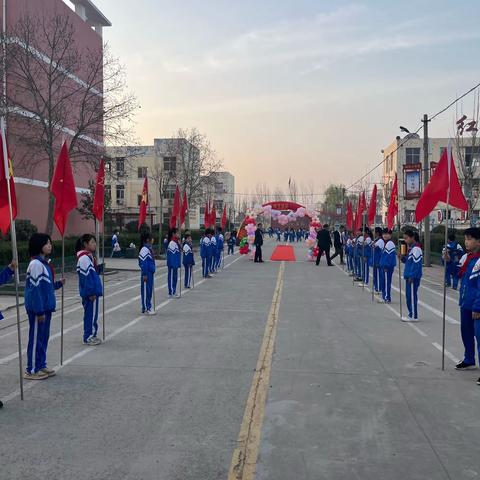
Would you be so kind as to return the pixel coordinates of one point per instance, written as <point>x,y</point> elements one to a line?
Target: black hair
<point>187,235</point>
<point>387,230</point>
<point>409,233</point>
<point>417,237</point>
<point>37,242</point>
<point>82,241</point>
<point>326,225</point>
<point>379,230</point>
<point>144,237</point>
<point>473,232</point>
<point>171,233</point>
<point>219,229</point>
<point>451,236</point>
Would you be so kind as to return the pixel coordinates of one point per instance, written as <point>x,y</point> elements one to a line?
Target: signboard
<point>412,180</point>
<point>284,205</point>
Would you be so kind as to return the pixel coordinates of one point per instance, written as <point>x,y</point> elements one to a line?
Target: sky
<point>307,89</point>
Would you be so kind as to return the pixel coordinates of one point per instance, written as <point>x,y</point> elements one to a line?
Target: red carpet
<point>283,253</point>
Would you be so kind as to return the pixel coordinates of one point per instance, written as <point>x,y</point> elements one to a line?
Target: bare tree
<point>196,165</point>
<point>57,92</point>
<point>467,148</point>
<point>162,178</point>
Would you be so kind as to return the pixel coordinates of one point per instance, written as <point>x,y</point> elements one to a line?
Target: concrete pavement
<point>351,392</point>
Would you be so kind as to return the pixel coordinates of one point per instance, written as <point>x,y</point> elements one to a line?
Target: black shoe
<point>1,404</point>
<point>260,261</point>
<point>478,383</point>
<point>464,366</point>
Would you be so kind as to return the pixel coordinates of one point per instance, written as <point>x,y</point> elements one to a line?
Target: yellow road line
<point>244,459</point>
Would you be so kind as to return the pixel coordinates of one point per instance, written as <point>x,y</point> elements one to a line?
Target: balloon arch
<point>275,210</point>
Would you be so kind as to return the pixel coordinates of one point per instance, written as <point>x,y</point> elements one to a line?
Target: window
<point>412,155</point>
<point>170,164</point>
<point>120,166</point>
<point>108,192</point>
<point>169,191</point>
<point>218,205</point>
<point>471,156</point>
<point>218,187</point>
<point>120,194</point>
<point>142,172</point>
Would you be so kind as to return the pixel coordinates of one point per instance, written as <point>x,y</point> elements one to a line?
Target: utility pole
<point>426,221</point>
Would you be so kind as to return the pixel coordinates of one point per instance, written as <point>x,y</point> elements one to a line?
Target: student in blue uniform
<point>452,254</point>
<point>470,299</point>
<point>367,256</point>
<point>213,252</point>
<point>285,235</point>
<point>147,266</point>
<point>173,263</point>
<point>412,273</point>
<point>188,260</point>
<point>378,247</point>
<point>40,286</point>
<point>205,253</point>
<point>279,234</point>
<point>292,235</point>
<point>349,254</point>
<point>357,255</point>
<point>388,262</point>
<point>231,244</point>
<point>90,287</point>
<point>220,248</point>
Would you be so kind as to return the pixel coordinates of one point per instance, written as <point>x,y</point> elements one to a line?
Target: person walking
<point>338,244</point>
<point>258,242</point>
<point>324,242</point>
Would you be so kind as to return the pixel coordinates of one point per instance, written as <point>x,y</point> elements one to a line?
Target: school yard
<point>284,370</point>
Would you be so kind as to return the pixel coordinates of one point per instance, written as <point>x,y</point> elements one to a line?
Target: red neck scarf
<point>82,253</point>
<point>470,256</point>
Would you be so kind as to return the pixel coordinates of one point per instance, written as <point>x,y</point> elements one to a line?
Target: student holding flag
<point>173,263</point>
<point>40,303</point>
<point>412,273</point>
<point>205,253</point>
<point>213,252</point>
<point>147,266</point>
<point>378,246</point>
<point>452,253</point>
<point>220,248</point>
<point>388,262</point>
<point>188,260</point>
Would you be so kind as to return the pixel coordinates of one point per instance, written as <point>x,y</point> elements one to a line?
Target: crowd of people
<point>376,252</point>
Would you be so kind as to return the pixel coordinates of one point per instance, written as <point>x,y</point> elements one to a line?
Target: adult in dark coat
<point>258,242</point>
<point>338,244</point>
<point>324,244</point>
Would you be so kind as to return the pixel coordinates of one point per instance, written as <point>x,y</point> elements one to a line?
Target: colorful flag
<point>224,217</point>
<point>184,209</point>
<point>349,216</point>
<point>206,216</point>
<point>99,196</point>
<point>6,170</point>
<point>213,217</point>
<point>372,207</point>
<point>361,206</point>
<point>175,209</point>
<point>63,189</point>
<point>142,216</point>
<point>393,204</point>
<point>443,186</point>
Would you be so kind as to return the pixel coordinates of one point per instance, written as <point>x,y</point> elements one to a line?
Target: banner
<point>412,177</point>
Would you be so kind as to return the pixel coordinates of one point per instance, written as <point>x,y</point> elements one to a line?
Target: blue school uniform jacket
<point>40,287</point>
<point>146,261</point>
<point>388,258</point>
<point>231,241</point>
<point>368,250</point>
<point>88,278</point>
<point>469,286</point>
<point>220,243</point>
<point>188,259</point>
<point>5,275</point>
<point>204,247</point>
<point>455,251</point>
<point>413,263</point>
<point>213,247</point>
<point>173,255</point>
<point>379,245</point>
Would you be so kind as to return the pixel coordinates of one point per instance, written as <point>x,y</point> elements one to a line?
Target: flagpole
<point>372,256</point>
<point>13,235</point>
<point>400,269</point>
<point>362,270</point>
<point>103,273</point>
<point>63,302</point>
<point>181,253</point>
<point>445,289</point>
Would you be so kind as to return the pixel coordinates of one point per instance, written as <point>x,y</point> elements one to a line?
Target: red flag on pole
<point>443,186</point>
<point>393,204</point>
<point>175,209</point>
<point>361,206</point>
<point>206,215</point>
<point>6,170</point>
<point>99,196</point>
<point>349,216</point>
<point>224,217</point>
<point>372,207</point>
<point>213,217</point>
<point>142,216</point>
<point>184,209</point>
<point>63,189</point>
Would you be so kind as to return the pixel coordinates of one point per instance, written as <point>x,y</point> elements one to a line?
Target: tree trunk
<point>51,198</point>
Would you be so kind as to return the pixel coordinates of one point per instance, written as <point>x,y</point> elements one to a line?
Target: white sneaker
<point>150,312</point>
<point>409,319</point>
<point>177,295</point>
<point>93,342</point>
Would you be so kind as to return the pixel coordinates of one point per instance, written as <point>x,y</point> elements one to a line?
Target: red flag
<point>442,187</point>
<point>6,166</point>
<point>349,216</point>
<point>206,216</point>
<point>99,196</point>
<point>63,189</point>
<point>175,209</point>
<point>393,204</point>
<point>372,207</point>
<point>223,223</point>
<point>213,217</point>
<point>361,206</point>
<point>142,215</point>
<point>184,209</point>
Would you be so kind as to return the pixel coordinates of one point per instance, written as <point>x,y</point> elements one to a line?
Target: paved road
<point>351,392</point>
